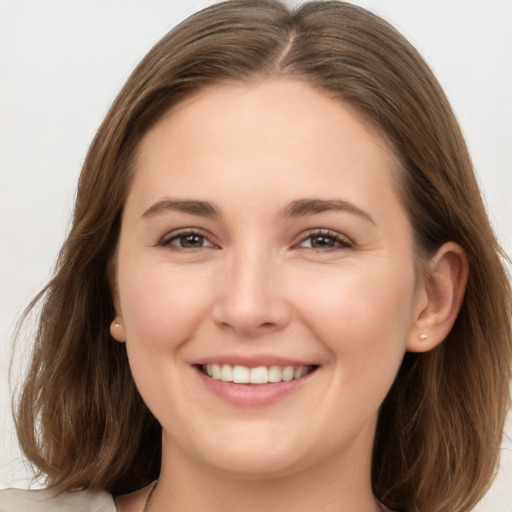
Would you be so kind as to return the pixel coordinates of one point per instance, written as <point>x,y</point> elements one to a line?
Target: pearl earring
<point>423,336</point>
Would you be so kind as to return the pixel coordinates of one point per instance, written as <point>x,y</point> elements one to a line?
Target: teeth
<point>215,372</point>
<point>287,374</point>
<point>226,373</point>
<point>274,374</point>
<point>259,375</point>
<point>241,374</point>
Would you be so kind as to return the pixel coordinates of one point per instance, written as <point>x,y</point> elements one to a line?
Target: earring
<point>423,336</point>
<point>117,330</point>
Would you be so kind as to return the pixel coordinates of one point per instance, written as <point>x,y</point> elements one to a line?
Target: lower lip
<point>252,395</point>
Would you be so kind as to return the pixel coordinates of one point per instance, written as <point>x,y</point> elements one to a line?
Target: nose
<point>251,298</point>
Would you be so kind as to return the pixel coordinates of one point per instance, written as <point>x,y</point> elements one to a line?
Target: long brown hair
<point>80,419</point>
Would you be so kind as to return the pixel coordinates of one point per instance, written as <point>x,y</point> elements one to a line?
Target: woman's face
<point>262,239</point>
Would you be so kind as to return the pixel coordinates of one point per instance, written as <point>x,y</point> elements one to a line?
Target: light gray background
<point>61,64</point>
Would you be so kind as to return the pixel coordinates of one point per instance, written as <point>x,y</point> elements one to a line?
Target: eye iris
<point>322,241</point>
<point>191,240</point>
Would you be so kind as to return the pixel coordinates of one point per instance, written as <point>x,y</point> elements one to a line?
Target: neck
<point>330,486</point>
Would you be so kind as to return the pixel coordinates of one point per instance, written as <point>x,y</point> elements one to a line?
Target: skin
<point>336,288</point>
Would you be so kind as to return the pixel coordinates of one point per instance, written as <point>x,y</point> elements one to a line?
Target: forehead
<point>278,133</point>
<point>268,113</point>
<point>273,101</point>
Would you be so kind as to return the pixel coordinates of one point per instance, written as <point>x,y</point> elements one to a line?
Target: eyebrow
<point>298,208</point>
<point>303,207</point>
<point>192,207</point>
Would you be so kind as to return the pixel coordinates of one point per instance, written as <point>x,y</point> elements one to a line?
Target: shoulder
<point>46,500</point>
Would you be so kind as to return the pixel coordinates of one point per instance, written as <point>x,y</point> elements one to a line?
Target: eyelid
<point>165,241</point>
<point>344,241</point>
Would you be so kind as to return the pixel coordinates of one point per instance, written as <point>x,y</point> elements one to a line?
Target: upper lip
<point>252,361</point>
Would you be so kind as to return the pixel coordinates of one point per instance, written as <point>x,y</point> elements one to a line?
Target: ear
<point>117,330</point>
<point>440,298</point>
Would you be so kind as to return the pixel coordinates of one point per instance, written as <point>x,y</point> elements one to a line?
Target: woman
<point>280,287</point>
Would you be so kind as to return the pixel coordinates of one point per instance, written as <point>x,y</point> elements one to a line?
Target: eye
<point>186,240</point>
<point>325,240</point>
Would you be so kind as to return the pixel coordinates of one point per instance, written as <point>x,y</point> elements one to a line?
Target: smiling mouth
<point>259,375</point>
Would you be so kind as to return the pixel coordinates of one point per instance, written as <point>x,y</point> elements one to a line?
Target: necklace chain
<point>148,499</point>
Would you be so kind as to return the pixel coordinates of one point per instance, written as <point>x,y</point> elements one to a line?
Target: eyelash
<point>167,240</point>
<point>340,242</point>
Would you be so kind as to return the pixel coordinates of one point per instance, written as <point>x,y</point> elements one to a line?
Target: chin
<point>254,457</point>
<point>260,466</point>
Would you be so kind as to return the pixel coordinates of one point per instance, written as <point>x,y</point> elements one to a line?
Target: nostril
<point>251,314</point>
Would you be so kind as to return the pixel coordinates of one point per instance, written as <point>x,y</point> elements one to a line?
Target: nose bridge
<point>250,299</point>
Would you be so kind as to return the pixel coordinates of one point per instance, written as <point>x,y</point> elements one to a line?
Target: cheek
<point>161,305</point>
<point>362,314</point>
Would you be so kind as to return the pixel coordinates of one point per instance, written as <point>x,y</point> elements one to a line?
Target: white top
<point>47,500</point>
